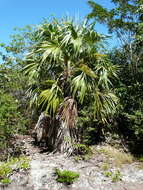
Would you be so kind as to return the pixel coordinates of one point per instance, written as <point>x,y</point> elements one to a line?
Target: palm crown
<point>65,62</point>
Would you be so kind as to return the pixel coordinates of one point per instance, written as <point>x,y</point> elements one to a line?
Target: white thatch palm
<point>64,67</point>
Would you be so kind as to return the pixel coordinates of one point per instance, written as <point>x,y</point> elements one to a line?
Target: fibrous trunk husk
<point>60,133</point>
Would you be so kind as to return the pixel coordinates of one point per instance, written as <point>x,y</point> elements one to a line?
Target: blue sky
<point>18,13</point>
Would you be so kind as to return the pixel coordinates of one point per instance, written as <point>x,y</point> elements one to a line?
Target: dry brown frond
<point>68,112</point>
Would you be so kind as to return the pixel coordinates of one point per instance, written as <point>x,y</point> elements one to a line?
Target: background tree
<point>14,112</point>
<point>125,20</point>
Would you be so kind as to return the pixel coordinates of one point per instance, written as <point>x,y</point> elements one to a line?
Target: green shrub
<point>6,168</point>
<point>83,152</point>
<point>117,176</point>
<point>105,166</point>
<point>135,122</point>
<point>90,130</point>
<point>11,122</point>
<point>6,181</point>
<point>24,165</point>
<point>107,174</point>
<point>66,176</point>
<point>82,149</point>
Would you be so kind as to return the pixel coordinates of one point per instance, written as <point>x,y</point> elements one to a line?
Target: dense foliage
<point>13,117</point>
<point>11,123</point>
<point>66,62</point>
<point>126,21</point>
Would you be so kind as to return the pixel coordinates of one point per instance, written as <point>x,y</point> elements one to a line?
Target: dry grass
<point>117,157</point>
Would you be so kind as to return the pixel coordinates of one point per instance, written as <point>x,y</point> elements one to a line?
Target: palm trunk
<point>59,133</point>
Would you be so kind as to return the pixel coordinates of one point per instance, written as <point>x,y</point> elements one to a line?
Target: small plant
<point>24,163</point>
<point>105,166</point>
<point>66,176</point>
<point>84,152</point>
<point>107,174</point>
<point>82,149</point>
<point>5,181</point>
<point>6,169</point>
<point>117,176</point>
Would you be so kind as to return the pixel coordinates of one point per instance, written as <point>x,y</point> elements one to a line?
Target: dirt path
<point>41,175</point>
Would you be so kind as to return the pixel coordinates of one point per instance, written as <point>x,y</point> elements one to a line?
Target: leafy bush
<point>105,166</point>
<point>82,149</point>
<point>90,131</point>
<point>107,173</point>
<point>131,127</point>
<point>83,152</point>
<point>6,181</point>
<point>66,176</point>
<point>117,176</point>
<point>135,121</point>
<point>7,168</point>
<point>11,122</point>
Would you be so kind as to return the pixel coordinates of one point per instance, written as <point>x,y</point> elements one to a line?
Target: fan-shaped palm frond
<point>104,104</point>
<point>33,94</point>
<point>51,49</point>
<point>106,71</point>
<point>32,70</point>
<point>30,67</point>
<point>88,71</point>
<point>83,82</point>
<point>51,98</point>
<point>79,85</point>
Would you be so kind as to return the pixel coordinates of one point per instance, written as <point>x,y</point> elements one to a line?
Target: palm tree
<point>64,69</point>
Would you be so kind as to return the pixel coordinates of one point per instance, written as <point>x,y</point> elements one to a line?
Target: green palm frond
<point>51,49</point>
<point>88,71</point>
<point>73,36</point>
<point>82,83</point>
<point>29,67</point>
<point>48,83</point>
<point>33,94</point>
<point>92,37</point>
<point>104,104</point>
<point>51,98</point>
<point>113,71</point>
<point>106,71</point>
<point>77,43</point>
<point>79,85</point>
<point>32,71</point>
<point>104,80</point>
